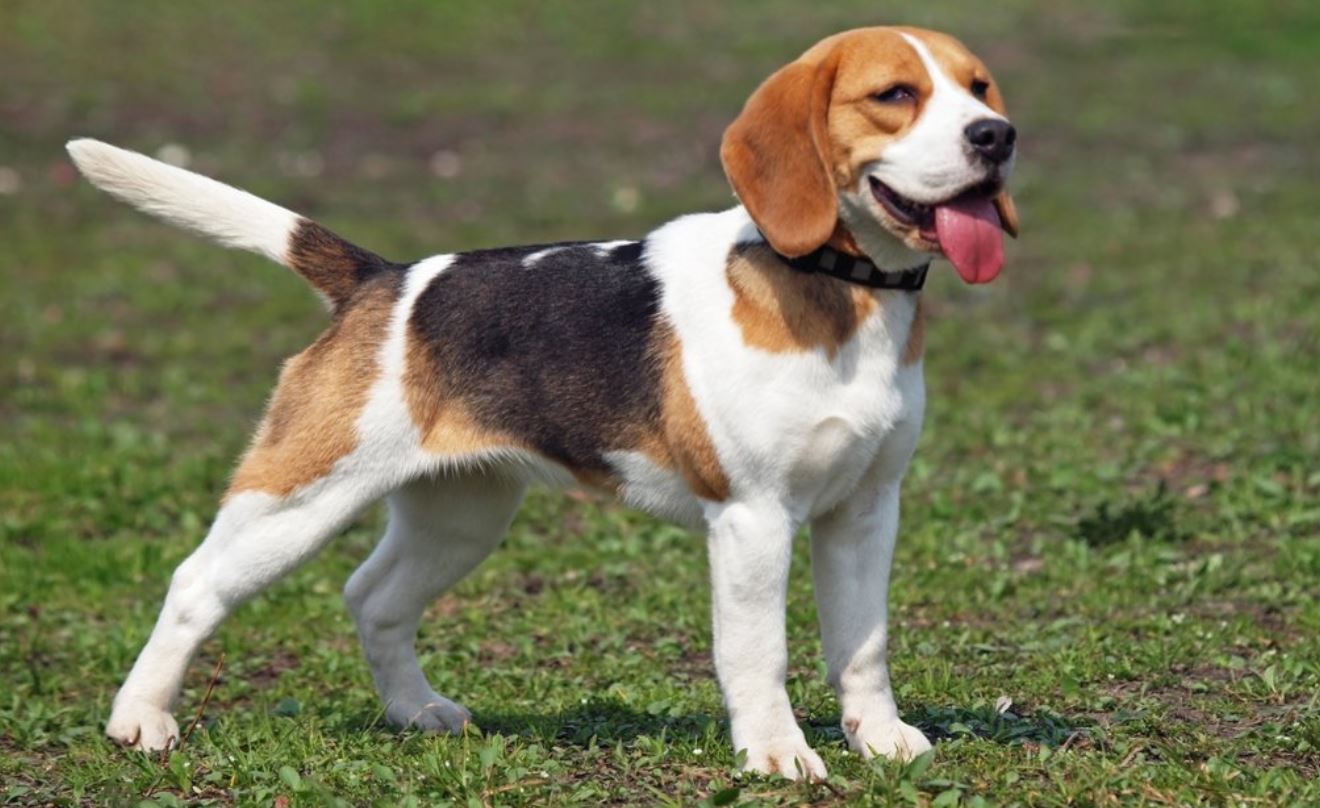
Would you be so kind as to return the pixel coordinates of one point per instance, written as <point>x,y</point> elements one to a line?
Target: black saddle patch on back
<point>559,353</point>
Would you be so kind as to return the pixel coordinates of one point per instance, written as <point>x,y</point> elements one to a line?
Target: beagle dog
<point>746,372</point>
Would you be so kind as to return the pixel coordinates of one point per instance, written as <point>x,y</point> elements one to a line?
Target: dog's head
<point>896,136</point>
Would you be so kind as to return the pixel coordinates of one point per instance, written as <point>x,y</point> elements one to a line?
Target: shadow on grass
<point>1154,516</point>
<point>609,721</point>
<point>1040,727</point>
<point>605,720</point>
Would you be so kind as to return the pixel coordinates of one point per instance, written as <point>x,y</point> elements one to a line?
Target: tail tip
<point>86,150</point>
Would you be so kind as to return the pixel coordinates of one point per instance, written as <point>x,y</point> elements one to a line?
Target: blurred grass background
<point>1112,518</point>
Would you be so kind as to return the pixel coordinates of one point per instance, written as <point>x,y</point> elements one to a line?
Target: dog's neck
<point>858,233</point>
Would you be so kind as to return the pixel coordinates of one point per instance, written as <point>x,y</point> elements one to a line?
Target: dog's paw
<point>891,739</point>
<point>788,756</point>
<point>142,726</point>
<point>432,714</point>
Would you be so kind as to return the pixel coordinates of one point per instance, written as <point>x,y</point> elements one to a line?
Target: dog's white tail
<point>335,267</point>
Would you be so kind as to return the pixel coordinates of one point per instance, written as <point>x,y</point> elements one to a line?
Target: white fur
<point>796,434</point>
<point>604,247</point>
<point>655,489</point>
<point>804,438</point>
<point>851,551</point>
<point>439,530</point>
<point>232,217</point>
<point>535,257</point>
<point>932,161</point>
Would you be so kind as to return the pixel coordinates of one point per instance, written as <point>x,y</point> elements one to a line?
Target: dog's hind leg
<point>256,539</point>
<point>439,530</point>
<point>336,437</point>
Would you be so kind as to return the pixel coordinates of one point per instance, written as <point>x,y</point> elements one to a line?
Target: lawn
<point>1112,525</point>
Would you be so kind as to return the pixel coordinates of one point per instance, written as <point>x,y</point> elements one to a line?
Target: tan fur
<point>311,420</point>
<point>810,127</point>
<point>781,310</point>
<point>915,346</point>
<point>442,418</point>
<point>859,129</point>
<point>598,481</point>
<point>773,154</point>
<point>684,441</point>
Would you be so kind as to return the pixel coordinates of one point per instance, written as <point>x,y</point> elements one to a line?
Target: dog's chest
<point>832,421</point>
<point>801,427</point>
<point>796,408</point>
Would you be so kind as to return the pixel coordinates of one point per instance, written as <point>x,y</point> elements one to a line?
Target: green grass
<point>1112,519</point>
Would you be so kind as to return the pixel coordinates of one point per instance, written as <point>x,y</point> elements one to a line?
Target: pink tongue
<point>968,229</point>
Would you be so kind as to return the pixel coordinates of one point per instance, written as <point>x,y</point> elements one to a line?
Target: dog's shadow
<point>610,721</point>
<point>1009,725</point>
<point>598,721</point>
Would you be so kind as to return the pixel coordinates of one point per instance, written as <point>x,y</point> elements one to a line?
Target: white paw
<point>434,713</point>
<point>787,756</point>
<point>891,738</point>
<point>141,726</point>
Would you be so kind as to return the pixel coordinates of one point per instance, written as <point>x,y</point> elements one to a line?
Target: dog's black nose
<point>992,138</point>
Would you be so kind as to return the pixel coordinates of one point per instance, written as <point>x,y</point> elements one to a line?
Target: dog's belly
<point>659,490</point>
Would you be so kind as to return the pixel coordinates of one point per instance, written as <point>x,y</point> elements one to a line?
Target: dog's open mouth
<point>966,228</point>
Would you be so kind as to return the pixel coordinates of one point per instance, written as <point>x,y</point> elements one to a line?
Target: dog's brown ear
<point>1008,215</point>
<point>776,156</point>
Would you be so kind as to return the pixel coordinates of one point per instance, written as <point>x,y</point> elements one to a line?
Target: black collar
<point>857,269</point>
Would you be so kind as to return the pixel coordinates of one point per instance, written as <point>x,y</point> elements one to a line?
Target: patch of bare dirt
<point>269,670</point>
<point>1194,703</point>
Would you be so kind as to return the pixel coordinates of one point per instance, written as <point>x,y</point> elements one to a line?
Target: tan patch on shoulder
<point>681,439</point>
<point>784,311</point>
<point>915,347</point>
<point>311,421</point>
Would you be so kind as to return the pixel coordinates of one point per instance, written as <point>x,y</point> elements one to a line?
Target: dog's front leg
<point>851,551</point>
<point>750,546</point>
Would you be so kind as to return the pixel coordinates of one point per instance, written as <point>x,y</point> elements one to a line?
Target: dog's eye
<point>898,94</point>
<point>980,88</point>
